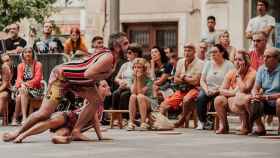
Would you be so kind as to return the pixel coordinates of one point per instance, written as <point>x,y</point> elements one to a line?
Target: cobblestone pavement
<point>181,143</point>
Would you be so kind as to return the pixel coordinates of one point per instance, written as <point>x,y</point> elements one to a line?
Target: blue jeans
<point>201,105</point>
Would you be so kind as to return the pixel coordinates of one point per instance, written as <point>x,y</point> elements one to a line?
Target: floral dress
<point>28,75</point>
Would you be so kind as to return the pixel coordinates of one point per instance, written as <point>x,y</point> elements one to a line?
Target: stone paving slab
<point>147,144</point>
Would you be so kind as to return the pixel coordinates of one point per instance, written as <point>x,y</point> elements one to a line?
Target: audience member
<point>28,83</point>
<point>256,55</point>
<point>202,54</point>
<point>141,95</point>
<point>188,72</point>
<point>48,44</point>
<point>212,77</point>
<point>266,92</point>
<point>224,38</point>
<point>14,44</point>
<point>75,43</point>
<point>239,80</point>
<point>262,22</point>
<point>160,70</point>
<point>211,35</point>
<point>124,78</point>
<point>5,81</point>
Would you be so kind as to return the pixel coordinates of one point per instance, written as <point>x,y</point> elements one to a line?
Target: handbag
<point>160,122</point>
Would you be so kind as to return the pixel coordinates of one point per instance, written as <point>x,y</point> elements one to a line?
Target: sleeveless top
<point>74,71</point>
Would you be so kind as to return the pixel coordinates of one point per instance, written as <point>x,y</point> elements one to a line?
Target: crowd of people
<point>211,76</point>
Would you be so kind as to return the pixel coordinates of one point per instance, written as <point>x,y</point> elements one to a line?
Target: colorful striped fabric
<point>74,71</point>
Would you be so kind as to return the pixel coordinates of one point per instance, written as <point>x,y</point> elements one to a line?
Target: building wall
<point>186,13</point>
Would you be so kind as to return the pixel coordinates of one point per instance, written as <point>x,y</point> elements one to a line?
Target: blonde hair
<point>143,62</point>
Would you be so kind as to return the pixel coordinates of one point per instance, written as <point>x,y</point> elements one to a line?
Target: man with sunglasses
<point>256,55</point>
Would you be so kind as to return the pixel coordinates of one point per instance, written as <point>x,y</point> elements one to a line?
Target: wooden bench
<point>216,119</point>
<point>116,115</point>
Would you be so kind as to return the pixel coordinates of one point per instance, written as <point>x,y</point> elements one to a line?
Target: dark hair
<point>222,49</point>
<point>136,48</point>
<point>115,39</point>
<point>25,49</point>
<point>211,17</point>
<point>163,57</point>
<point>171,50</point>
<point>265,2</point>
<point>95,38</point>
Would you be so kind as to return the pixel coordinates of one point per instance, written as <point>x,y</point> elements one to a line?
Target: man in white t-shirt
<point>211,35</point>
<point>262,22</point>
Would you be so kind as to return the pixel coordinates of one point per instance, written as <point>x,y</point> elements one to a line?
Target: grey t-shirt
<point>215,76</point>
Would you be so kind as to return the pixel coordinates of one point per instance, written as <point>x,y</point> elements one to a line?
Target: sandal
<point>131,126</point>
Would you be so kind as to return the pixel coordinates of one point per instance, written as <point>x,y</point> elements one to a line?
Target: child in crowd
<point>141,94</point>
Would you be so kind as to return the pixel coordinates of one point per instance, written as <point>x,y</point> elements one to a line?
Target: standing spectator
<point>141,95</point>
<point>5,81</point>
<point>14,44</point>
<point>168,51</point>
<point>224,38</point>
<point>75,43</point>
<point>124,78</point>
<point>160,70</point>
<point>262,22</point>
<point>256,55</point>
<point>211,80</point>
<point>48,44</point>
<point>239,80</point>
<point>211,36</point>
<point>202,53</point>
<point>28,83</point>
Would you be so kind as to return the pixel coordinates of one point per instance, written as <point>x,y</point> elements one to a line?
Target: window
<point>162,34</point>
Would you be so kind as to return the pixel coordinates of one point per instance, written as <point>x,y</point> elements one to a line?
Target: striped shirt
<point>74,71</point>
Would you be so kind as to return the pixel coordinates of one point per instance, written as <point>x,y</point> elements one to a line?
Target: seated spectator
<point>160,70</point>
<point>188,71</point>
<point>266,92</point>
<point>75,43</point>
<point>14,44</point>
<point>168,51</point>
<point>48,44</point>
<point>28,83</point>
<point>239,80</point>
<point>141,95</point>
<point>5,81</point>
<point>96,43</point>
<point>211,80</point>
<point>224,38</point>
<point>202,53</point>
<point>256,55</point>
<point>124,78</point>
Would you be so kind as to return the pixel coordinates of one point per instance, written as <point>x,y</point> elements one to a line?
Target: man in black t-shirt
<point>14,44</point>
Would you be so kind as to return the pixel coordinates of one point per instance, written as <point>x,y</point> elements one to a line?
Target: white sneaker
<point>200,125</point>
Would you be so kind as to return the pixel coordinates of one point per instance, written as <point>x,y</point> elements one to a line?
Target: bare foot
<point>61,139</point>
<point>18,139</point>
<point>9,136</point>
<point>78,136</point>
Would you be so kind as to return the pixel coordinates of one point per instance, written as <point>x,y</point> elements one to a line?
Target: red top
<point>256,60</point>
<point>35,82</point>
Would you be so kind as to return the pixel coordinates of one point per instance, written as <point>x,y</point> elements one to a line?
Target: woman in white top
<point>124,78</point>
<point>212,78</point>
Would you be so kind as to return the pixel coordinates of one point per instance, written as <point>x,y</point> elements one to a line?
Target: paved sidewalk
<point>149,144</point>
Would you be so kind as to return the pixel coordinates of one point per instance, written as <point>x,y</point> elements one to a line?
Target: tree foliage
<point>14,10</point>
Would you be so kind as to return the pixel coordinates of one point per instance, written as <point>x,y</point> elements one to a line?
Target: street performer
<point>78,76</point>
